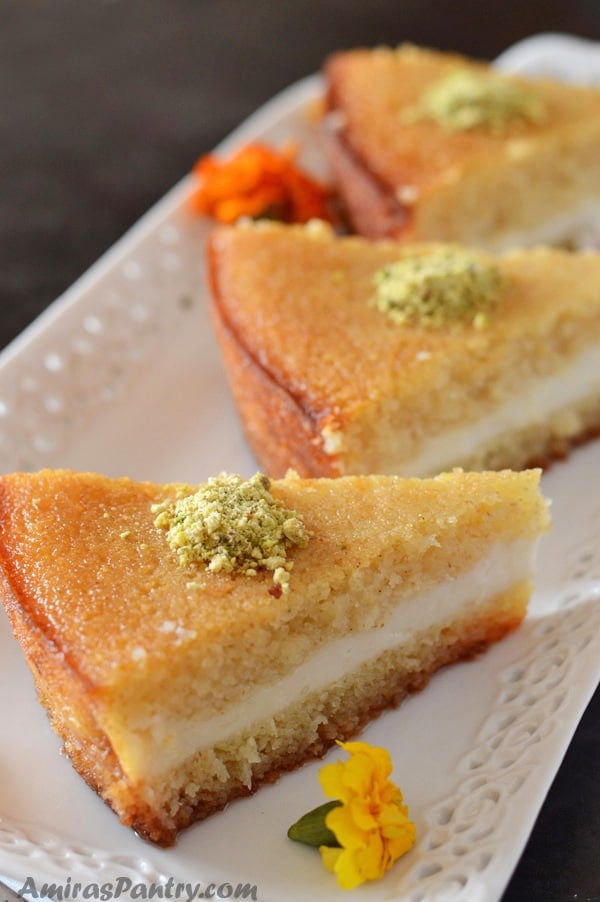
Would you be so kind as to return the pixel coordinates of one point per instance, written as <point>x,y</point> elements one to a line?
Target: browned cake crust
<point>372,207</point>
<point>282,429</point>
<point>417,181</point>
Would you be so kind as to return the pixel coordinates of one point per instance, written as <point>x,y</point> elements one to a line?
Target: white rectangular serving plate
<point>121,375</point>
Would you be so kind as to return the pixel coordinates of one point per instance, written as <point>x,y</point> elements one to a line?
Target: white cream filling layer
<point>170,740</point>
<point>579,228</point>
<point>540,400</point>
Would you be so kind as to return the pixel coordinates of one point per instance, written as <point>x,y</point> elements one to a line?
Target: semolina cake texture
<point>329,384</point>
<point>176,688</point>
<point>432,146</point>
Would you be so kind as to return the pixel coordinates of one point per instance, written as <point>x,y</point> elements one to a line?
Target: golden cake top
<point>86,567</point>
<point>382,93</point>
<point>297,301</point>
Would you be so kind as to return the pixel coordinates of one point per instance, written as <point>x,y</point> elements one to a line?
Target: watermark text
<point>124,888</point>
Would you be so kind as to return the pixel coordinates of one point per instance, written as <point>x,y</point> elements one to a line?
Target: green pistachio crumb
<point>437,288</point>
<point>464,99</point>
<point>232,524</point>
<point>125,534</point>
<point>481,320</point>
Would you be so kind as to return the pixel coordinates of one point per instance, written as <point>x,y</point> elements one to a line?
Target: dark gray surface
<point>105,105</point>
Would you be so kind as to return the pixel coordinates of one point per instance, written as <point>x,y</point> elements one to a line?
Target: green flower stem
<point>311,829</point>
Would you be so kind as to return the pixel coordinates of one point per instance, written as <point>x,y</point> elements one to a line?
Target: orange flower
<point>258,181</point>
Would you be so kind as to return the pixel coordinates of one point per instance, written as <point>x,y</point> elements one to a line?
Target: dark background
<point>105,105</point>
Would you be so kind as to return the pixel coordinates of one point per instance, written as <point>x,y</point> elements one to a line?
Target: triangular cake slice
<point>434,146</point>
<point>330,383</point>
<point>177,687</point>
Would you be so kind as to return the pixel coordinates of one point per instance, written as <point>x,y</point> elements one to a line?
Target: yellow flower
<point>371,824</point>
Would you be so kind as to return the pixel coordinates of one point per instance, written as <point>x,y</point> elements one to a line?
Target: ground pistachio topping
<point>437,288</point>
<point>233,524</point>
<point>465,99</point>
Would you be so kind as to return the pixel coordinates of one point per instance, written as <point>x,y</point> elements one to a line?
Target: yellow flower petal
<point>378,756</point>
<point>329,857</point>
<point>372,824</point>
<point>391,815</point>
<point>344,866</point>
<point>331,778</point>
<point>362,814</point>
<point>372,860</point>
<point>347,832</point>
<point>399,846</point>
<point>357,777</point>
